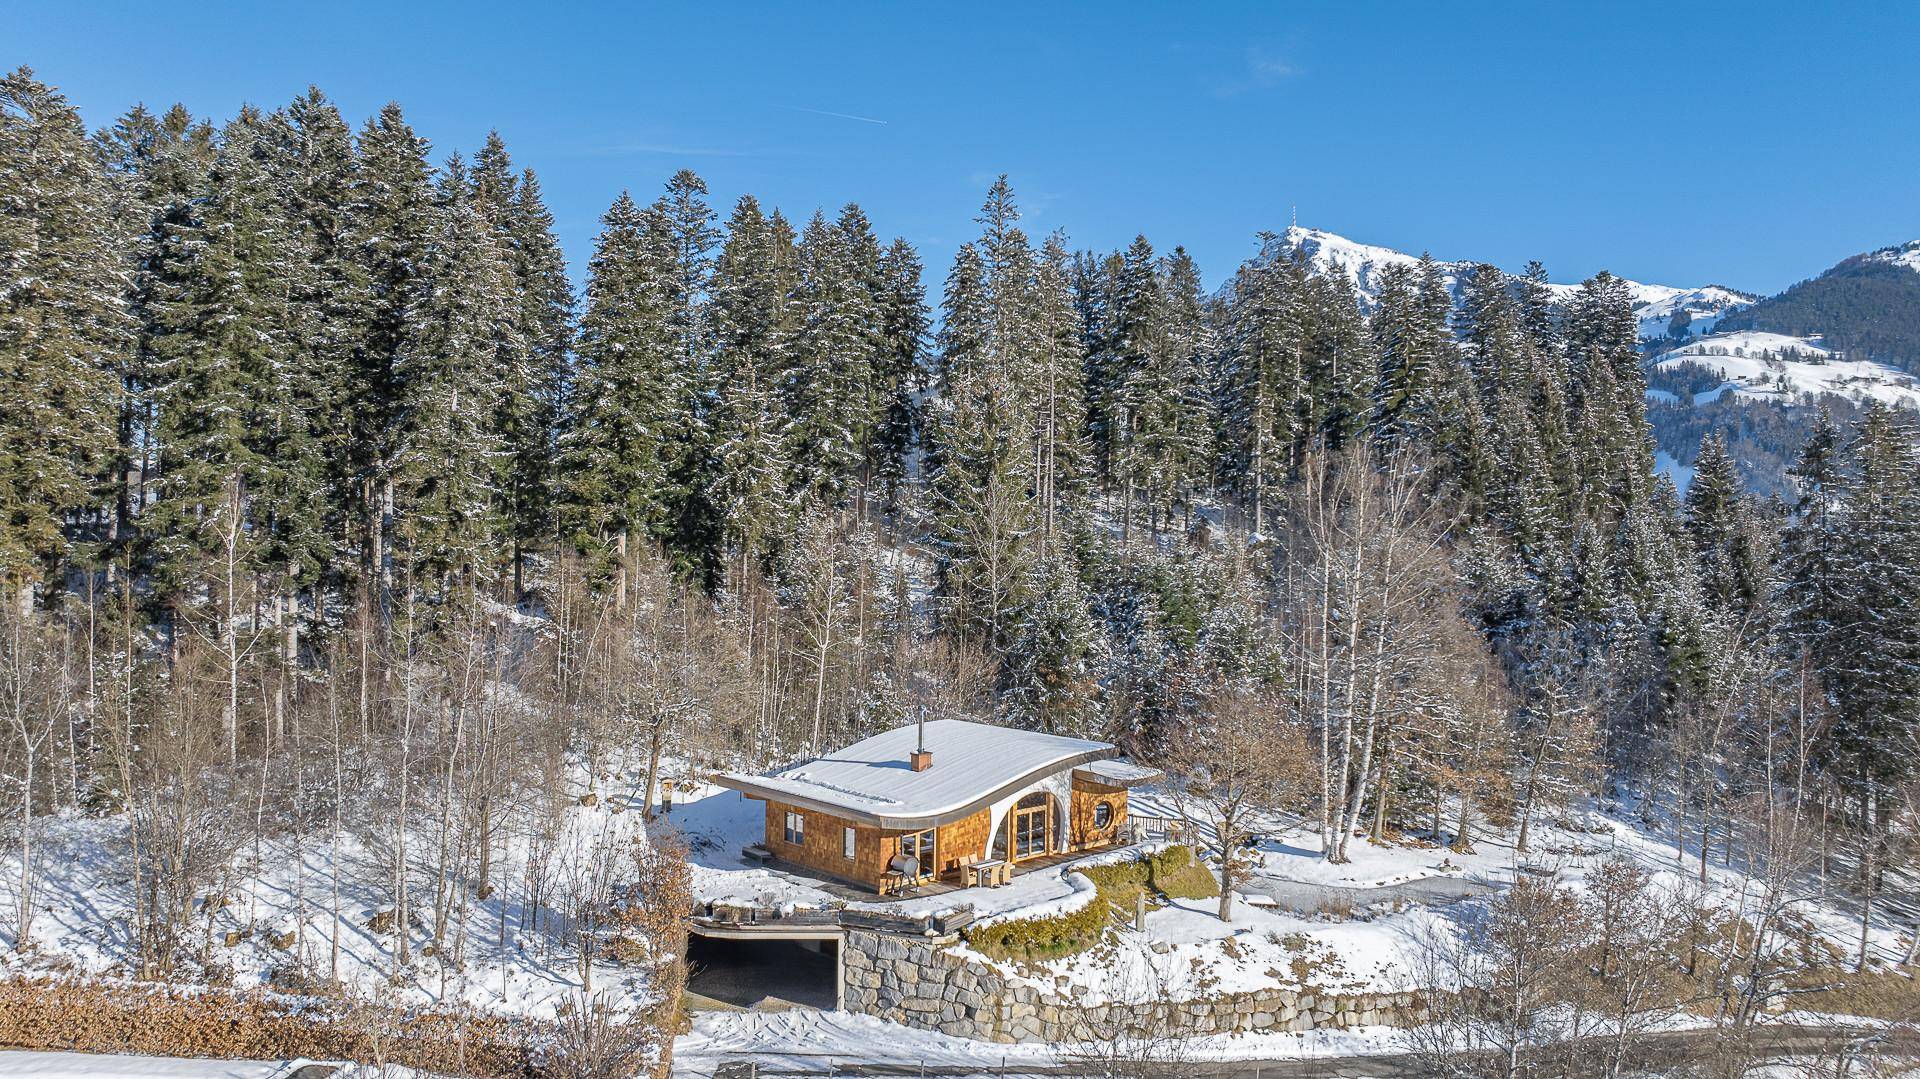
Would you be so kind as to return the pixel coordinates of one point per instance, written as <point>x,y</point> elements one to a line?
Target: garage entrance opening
<point>759,972</point>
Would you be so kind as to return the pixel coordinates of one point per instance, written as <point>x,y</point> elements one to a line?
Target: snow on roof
<point>871,780</point>
<point>1119,773</point>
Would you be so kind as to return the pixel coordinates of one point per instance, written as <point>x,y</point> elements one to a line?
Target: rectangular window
<point>846,845</point>
<point>796,828</point>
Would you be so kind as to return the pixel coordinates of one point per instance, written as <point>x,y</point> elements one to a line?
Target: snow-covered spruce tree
<point>691,236</point>
<point>1063,467</point>
<point>1487,325</point>
<point>1179,424</point>
<point>1732,544</point>
<point>978,482</point>
<point>156,166</point>
<point>547,323</point>
<point>1095,281</point>
<point>828,393</point>
<point>1808,602</point>
<point>222,330</point>
<point>900,370</point>
<point>533,361</point>
<point>395,222</point>
<point>1050,681</point>
<point>627,386</point>
<point>314,489</point>
<point>225,346</point>
<point>1660,634</point>
<point>1260,386</point>
<point>1538,318</point>
<point>1873,675</point>
<point>747,473</point>
<point>462,345</point>
<point>1135,385</point>
<point>1412,399</point>
<point>1504,375</point>
<point>1609,394</point>
<point>1340,361</point>
<point>863,267</point>
<point>63,332</point>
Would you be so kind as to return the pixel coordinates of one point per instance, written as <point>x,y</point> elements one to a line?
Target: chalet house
<point>943,800</point>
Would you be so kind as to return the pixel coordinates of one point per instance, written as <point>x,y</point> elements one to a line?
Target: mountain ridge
<point>1866,304</point>
<point>1654,305</point>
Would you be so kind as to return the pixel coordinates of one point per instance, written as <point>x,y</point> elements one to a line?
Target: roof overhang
<point>753,787</point>
<point>1117,773</point>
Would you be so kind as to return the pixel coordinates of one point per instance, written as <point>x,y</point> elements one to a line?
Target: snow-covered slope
<point>1906,254</point>
<point>1363,264</point>
<point>1778,367</point>
<point>1656,305</point>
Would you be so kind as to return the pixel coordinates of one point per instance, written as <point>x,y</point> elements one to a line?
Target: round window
<point>1102,815</point>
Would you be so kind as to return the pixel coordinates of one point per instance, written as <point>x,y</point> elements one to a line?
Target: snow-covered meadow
<point>1778,367</point>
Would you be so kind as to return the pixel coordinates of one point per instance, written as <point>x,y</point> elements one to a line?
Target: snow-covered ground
<point>1772,366</point>
<point>808,1040</point>
<point>1668,464</point>
<point>522,969</point>
<point>1187,950</point>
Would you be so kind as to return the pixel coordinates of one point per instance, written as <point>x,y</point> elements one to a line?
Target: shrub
<point>1042,938</point>
<point>1171,873</point>
<point>1176,874</point>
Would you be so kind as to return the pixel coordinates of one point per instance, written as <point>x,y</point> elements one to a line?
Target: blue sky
<point>1750,144</point>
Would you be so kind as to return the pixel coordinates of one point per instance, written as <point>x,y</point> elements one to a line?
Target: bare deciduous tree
<point>1232,761</point>
<point>35,696</point>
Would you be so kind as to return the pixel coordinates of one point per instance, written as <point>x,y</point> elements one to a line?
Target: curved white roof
<point>871,781</point>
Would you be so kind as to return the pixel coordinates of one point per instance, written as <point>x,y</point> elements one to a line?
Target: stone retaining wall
<point>912,980</point>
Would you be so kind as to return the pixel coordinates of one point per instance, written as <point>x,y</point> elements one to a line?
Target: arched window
<point>1102,815</point>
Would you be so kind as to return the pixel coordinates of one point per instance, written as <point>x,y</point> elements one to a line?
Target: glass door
<point>919,847</point>
<point>1032,821</point>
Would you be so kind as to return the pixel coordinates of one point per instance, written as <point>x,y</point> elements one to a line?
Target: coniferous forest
<point>333,509</point>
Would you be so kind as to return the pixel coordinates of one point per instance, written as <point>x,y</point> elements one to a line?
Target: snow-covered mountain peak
<point>1654,305</point>
<point>1330,252</point>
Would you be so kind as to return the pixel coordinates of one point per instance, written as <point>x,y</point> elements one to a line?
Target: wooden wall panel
<point>1081,834</point>
<point>823,849</point>
<point>966,836</point>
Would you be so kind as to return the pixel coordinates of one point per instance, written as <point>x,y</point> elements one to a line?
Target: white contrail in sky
<point>839,115</point>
